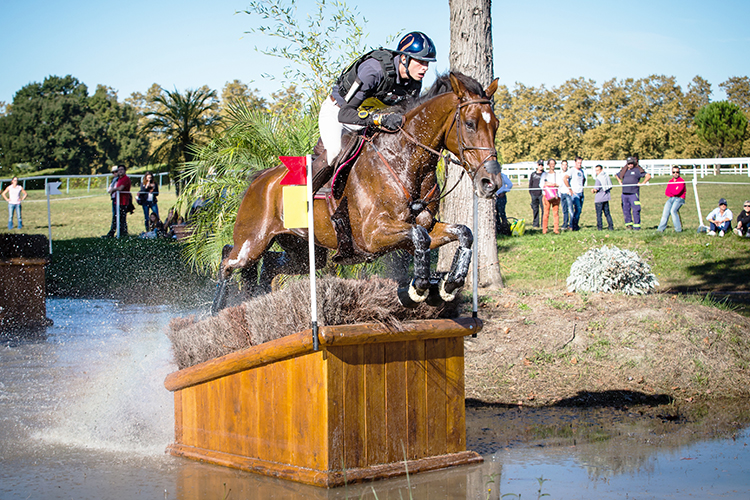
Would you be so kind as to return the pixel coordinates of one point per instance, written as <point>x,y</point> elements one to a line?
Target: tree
<point>184,122</point>
<point>723,125</point>
<point>316,52</point>
<point>471,53</point>
<point>43,127</point>
<point>737,89</point>
<point>111,129</point>
<point>236,93</point>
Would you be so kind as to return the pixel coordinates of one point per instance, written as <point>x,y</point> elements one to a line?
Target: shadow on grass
<point>592,399</point>
<point>726,274</point>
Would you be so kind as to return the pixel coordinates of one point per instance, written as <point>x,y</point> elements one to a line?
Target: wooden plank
<point>266,431</point>
<point>436,396</point>
<point>454,389</point>
<point>416,401</point>
<point>375,414</point>
<point>178,417</point>
<point>354,407</point>
<point>335,377</point>
<point>396,402</point>
<point>300,343</point>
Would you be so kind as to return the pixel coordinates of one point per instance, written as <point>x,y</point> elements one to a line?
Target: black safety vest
<point>387,92</point>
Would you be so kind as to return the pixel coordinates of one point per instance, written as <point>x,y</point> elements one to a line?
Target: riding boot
<point>322,172</point>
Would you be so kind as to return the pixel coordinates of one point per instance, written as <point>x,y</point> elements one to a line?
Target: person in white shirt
<point>501,199</point>
<point>14,194</point>
<point>566,196</point>
<point>575,182</point>
<point>720,219</point>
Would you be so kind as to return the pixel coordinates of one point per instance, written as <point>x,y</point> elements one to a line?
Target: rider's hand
<point>390,121</point>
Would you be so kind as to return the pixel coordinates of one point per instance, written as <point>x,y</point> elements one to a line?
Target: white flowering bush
<point>611,270</point>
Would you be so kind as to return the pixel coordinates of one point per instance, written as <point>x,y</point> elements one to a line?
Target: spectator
<point>720,219</point>
<point>14,194</point>
<point>602,196</point>
<point>147,197</point>
<point>675,194</point>
<point>535,190</point>
<point>120,185</point>
<point>551,182</point>
<point>575,182</point>
<point>629,177</point>
<point>743,221</point>
<point>501,199</point>
<point>566,203</point>
<point>155,228</point>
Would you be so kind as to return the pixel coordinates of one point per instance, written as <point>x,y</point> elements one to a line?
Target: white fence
<point>695,167</point>
<point>66,179</point>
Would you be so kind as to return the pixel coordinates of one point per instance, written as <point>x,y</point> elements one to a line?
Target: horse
<point>389,201</point>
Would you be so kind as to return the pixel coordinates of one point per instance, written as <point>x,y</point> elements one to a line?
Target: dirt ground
<point>553,348</point>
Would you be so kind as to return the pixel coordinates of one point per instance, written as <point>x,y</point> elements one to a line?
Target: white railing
<point>66,178</point>
<point>693,166</point>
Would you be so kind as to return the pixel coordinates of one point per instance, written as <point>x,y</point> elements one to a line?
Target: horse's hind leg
<point>220,294</point>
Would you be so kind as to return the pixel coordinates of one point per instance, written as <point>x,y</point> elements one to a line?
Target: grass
<point>683,262</point>
<point>686,261</point>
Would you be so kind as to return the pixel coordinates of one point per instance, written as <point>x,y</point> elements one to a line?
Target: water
<point>84,414</point>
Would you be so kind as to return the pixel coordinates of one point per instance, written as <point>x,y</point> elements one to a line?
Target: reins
<point>421,204</point>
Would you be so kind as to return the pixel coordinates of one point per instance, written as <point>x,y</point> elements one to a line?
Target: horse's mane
<point>441,86</point>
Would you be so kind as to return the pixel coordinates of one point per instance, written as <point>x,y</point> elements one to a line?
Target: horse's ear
<point>492,88</point>
<point>458,87</point>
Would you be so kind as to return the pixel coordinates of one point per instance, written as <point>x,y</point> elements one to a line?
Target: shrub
<point>611,270</point>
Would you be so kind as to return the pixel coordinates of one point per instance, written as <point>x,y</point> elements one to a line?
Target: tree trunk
<point>471,54</point>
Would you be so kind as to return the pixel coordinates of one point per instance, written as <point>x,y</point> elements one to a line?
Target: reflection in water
<point>84,414</point>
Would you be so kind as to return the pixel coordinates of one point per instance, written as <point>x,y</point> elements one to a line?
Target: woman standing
<point>147,197</point>
<point>551,182</point>
<point>14,195</point>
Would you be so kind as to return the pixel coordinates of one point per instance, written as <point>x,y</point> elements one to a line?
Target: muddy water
<point>83,414</point>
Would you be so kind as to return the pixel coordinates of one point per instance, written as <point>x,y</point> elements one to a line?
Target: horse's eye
<point>471,126</point>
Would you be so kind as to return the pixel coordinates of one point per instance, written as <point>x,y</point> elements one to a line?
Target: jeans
<point>536,200</point>
<point>123,210</point>
<point>566,206</point>
<point>154,208</point>
<point>603,206</point>
<point>500,201</point>
<point>17,209</point>
<point>577,200</point>
<point>672,206</point>
<point>725,226</point>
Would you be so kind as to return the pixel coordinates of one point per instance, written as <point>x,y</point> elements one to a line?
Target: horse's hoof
<point>434,299</point>
<point>410,297</point>
<point>446,295</point>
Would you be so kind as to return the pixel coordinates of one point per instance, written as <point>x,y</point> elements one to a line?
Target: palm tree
<point>183,122</point>
<point>252,140</point>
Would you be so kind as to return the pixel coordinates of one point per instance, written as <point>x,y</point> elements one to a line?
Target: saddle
<point>331,179</point>
<point>328,183</point>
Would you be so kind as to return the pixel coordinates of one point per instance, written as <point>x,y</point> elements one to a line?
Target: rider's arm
<point>370,74</point>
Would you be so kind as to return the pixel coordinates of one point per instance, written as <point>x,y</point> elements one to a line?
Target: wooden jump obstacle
<point>368,405</point>
<point>23,291</point>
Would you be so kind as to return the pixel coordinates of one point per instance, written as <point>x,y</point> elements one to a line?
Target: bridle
<point>419,205</point>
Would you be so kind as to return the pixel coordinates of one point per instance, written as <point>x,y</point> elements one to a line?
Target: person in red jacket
<point>675,194</point>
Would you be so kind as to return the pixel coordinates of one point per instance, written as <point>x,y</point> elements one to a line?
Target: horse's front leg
<point>419,287</point>
<point>456,277</point>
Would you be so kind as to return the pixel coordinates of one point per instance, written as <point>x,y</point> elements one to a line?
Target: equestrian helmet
<point>417,45</point>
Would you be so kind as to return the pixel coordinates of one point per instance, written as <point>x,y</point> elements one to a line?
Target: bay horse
<point>391,196</point>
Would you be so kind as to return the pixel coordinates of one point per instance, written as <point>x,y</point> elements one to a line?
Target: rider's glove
<point>389,121</point>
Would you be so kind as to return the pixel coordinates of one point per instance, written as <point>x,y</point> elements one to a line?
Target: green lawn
<point>682,262</point>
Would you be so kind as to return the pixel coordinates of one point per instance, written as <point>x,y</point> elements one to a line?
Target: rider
<point>378,79</point>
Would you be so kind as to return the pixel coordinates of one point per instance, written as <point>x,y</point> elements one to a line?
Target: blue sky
<point>188,43</point>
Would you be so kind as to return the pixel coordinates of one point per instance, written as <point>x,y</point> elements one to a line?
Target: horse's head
<point>471,136</point>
